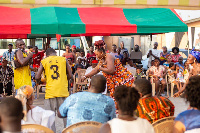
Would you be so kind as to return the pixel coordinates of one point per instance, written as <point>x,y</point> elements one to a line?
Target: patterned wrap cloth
<point>154,108</point>
<point>121,77</point>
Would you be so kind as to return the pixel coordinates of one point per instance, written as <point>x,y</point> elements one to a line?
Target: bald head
<point>98,83</point>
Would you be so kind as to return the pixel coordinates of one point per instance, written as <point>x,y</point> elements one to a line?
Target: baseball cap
<point>73,46</point>
<point>10,44</point>
<point>94,61</point>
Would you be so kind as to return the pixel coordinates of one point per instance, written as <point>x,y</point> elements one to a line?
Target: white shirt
<point>40,116</point>
<point>196,130</point>
<point>154,52</point>
<point>131,69</point>
<point>114,54</point>
<point>137,126</point>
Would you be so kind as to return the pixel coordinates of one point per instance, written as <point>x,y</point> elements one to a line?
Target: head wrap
<point>99,44</point>
<point>23,94</point>
<point>196,54</point>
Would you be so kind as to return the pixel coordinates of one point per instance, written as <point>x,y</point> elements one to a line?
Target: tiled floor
<point>180,105</point>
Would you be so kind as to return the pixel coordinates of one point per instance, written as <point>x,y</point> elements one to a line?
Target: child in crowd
<point>179,76</point>
<point>71,64</point>
<point>82,57</point>
<point>186,71</point>
<point>79,65</point>
<point>172,73</point>
<point>30,49</point>
<point>180,63</point>
<point>131,67</point>
<point>125,58</point>
<point>152,64</point>
<point>120,56</point>
<point>139,73</point>
<point>169,60</point>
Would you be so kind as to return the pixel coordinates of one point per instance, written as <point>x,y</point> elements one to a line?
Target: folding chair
<point>77,79</point>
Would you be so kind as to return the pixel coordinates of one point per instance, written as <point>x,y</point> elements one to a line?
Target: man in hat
<point>9,54</point>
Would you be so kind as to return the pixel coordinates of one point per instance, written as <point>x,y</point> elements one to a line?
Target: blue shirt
<point>9,56</point>
<point>177,63</point>
<point>87,106</point>
<point>119,56</point>
<point>190,118</point>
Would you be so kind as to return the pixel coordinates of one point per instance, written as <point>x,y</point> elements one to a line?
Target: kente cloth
<point>121,76</point>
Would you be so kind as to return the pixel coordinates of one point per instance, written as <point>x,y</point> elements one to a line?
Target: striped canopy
<point>183,4</point>
<point>105,21</point>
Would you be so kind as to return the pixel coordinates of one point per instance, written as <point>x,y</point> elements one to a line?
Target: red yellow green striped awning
<point>48,21</point>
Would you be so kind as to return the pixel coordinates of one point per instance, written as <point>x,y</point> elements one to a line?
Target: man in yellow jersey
<point>57,73</point>
<point>22,72</point>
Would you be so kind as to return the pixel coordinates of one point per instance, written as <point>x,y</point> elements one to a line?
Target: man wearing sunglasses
<point>22,71</point>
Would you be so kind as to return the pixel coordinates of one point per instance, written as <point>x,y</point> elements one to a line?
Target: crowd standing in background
<point>116,74</point>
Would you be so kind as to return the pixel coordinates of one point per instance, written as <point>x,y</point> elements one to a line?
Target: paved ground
<point>180,105</point>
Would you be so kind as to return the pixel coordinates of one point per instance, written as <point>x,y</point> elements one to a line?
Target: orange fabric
<point>154,108</point>
<point>121,77</point>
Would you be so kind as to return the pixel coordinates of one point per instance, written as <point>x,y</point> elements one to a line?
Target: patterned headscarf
<point>23,94</point>
<point>196,54</point>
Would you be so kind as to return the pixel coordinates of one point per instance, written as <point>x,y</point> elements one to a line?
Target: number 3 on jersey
<point>55,75</point>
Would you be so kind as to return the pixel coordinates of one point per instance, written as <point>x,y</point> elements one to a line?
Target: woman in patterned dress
<point>111,68</point>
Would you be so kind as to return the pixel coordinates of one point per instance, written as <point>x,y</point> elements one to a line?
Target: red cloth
<point>175,58</point>
<point>37,59</point>
<point>95,61</point>
<point>89,56</point>
<point>73,46</point>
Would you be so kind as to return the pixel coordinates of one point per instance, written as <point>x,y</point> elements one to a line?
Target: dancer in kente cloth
<point>111,68</point>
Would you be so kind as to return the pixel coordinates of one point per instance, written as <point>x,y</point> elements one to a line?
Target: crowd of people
<point>128,105</point>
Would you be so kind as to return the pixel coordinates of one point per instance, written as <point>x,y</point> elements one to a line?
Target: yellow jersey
<point>56,77</point>
<point>22,75</point>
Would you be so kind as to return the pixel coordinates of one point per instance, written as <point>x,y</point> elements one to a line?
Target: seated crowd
<point>131,109</point>
<point>132,104</point>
